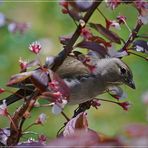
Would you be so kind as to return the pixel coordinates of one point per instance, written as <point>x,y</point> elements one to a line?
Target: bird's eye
<point>123,70</point>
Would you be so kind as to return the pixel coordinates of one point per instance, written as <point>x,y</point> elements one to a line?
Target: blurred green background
<point>47,24</point>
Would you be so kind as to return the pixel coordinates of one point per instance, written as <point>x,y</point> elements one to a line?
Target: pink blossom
<point>112,23</point>
<point>35,47</point>
<point>95,103</point>
<point>42,139</point>
<point>121,19</point>
<point>124,105</point>
<point>85,32</point>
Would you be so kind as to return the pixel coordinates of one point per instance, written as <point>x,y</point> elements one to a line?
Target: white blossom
<point>41,119</point>
<point>58,107</point>
<point>144,19</point>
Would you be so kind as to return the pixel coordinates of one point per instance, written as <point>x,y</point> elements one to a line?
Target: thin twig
<point>29,127</point>
<point>65,116</point>
<point>102,14</point>
<point>11,121</point>
<point>137,55</point>
<point>132,36</point>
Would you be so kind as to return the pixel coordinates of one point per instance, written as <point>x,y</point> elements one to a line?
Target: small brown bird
<point>85,85</point>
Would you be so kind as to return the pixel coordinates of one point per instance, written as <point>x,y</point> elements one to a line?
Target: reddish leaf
<point>78,139</point>
<point>93,46</point>
<point>40,79</point>
<point>89,139</point>
<point>65,39</point>
<point>99,40</point>
<point>79,122</point>
<point>111,36</point>
<point>74,14</point>
<point>19,78</point>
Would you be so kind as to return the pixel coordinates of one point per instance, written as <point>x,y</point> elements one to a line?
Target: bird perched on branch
<point>85,83</point>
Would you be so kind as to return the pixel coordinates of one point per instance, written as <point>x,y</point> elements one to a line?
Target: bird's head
<point>115,72</point>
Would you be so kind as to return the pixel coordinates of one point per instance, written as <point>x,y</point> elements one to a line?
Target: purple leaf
<point>111,36</point>
<point>79,122</point>
<point>40,79</point>
<point>74,14</point>
<point>86,139</point>
<point>65,39</point>
<point>93,46</point>
<point>15,79</point>
<point>141,46</point>
<point>4,134</point>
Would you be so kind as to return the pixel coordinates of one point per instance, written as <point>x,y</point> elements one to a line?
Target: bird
<point>85,85</point>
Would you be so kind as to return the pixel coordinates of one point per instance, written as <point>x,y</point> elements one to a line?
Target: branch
<point>19,115</point>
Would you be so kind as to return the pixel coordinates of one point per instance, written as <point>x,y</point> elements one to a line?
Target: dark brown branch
<point>19,115</point>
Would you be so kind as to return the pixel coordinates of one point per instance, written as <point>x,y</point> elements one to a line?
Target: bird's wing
<point>72,67</point>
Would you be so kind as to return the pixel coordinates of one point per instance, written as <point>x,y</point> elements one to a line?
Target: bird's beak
<point>131,84</point>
